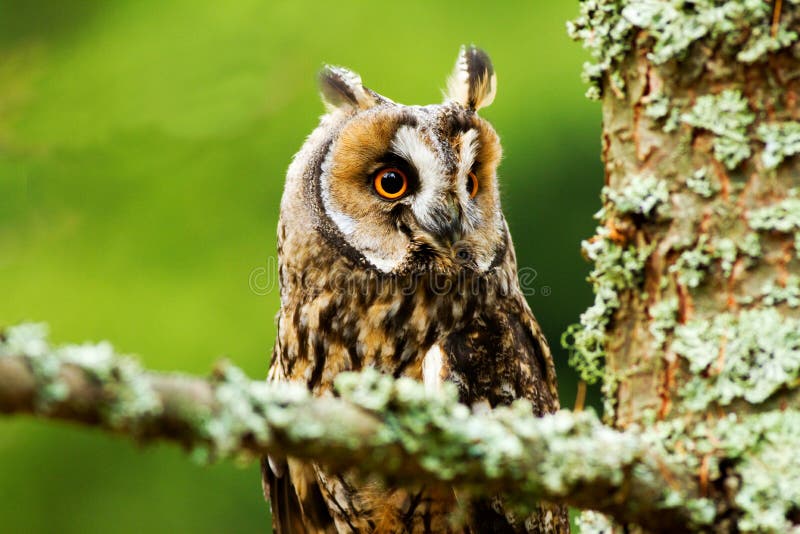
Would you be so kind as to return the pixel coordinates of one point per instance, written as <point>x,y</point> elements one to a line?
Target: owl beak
<point>446,228</point>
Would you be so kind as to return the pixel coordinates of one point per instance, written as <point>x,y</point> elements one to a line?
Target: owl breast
<point>345,317</point>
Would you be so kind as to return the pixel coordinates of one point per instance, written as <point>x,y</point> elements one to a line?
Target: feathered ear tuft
<point>342,88</point>
<point>473,83</point>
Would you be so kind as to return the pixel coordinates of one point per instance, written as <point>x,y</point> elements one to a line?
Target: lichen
<point>782,216</point>
<point>750,245</point>
<point>553,456</point>
<point>434,427</point>
<point>764,448</point>
<point>679,443</point>
<point>241,398</point>
<point>781,140</point>
<point>27,338</point>
<point>642,195</point>
<point>789,293</point>
<point>660,108</point>
<point>727,115</point>
<point>591,522</point>
<point>657,106</point>
<point>133,398</point>
<point>761,448</point>
<point>726,251</point>
<point>607,27</point>
<point>663,315</point>
<point>700,183</point>
<point>617,268</point>
<point>772,293</point>
<point>605,34</point>
<point>691,265</point>
<point>749,356</point>
<point>761,42</point>
<point>31,338</point>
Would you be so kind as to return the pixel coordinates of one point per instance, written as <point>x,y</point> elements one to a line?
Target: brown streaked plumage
<point>423,285</point>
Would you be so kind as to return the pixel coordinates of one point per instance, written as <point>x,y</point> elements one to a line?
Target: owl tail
<point>289,515</point>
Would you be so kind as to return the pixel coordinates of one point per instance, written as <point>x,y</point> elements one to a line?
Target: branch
<point>379,426</point>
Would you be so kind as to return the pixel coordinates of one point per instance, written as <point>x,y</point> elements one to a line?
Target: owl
<point>394,254</point>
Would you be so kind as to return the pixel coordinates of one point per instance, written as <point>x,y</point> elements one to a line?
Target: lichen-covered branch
<point>379,426</point>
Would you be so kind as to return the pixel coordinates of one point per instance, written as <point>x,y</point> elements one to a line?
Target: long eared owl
<point>394,254</point>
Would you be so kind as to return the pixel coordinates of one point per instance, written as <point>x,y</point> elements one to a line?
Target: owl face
<point>405,188</point>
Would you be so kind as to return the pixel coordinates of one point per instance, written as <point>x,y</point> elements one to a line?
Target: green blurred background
<point>143,146</point>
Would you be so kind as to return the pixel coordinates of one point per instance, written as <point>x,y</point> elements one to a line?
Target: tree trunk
<point>696,260</point>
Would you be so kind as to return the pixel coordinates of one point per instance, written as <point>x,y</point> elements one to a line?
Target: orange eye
<point>472,185</point>
<point>391,183</point>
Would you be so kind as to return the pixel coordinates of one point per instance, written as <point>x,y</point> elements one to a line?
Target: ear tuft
<point>473,83</point>
<point>342,88</point>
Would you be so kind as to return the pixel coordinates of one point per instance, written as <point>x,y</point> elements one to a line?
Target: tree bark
<point>696,257</point>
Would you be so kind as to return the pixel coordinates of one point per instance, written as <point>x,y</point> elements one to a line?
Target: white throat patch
<point>432,367</point>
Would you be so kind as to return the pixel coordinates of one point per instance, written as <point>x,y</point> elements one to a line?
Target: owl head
<point>401,188</point>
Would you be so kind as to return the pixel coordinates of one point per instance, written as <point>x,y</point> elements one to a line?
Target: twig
<point>776,17</point>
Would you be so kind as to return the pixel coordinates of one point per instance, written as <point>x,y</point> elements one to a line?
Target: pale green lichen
<point>31,338</point>
<point>727,115</point>
<point>781,140</point>
<point>761,448</point>
<point>28,338</point>
<point>749,355</point>
<point>764,447</point>
<point>590,522</point>
<point>663,315</point>
<point>789,293</point>
<point>574,448</point>
<point>677,444</point>
<point>727,252</point>
<point>617,268</point>
<point>692,264</point>
<point>660,108</point>
<point>555,455</point>
<point>783,216</point>
<point>121,375</point>
<point>750,245</point>
<point>761,42</point>
<point>642,195</point>
<point>702,511</point>
<point>422,412</point>
<point>607,28</point>
<point>605,34</point>
<point>700,183</point>
<point>676,25</point>
<point>608,389</point>
<point>775,294</point>
<point>657,106</point>
<point>241,416</point>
